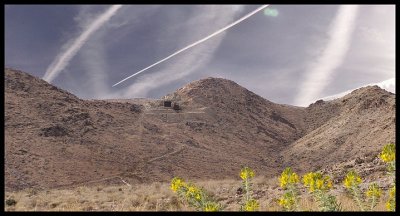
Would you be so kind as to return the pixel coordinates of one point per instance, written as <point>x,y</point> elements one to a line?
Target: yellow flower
<point>288,177</point>
<point>246,173</point>
<point>329,184</point>
<point>193,192</point>
<point>191,189</point>
<point>320,184</point>
<point>391,203</point>
<point>177,183</point>
<point>374,191</point>
<point>211,207</point>
<point>352,180</point>
<point>389,206</point>
<point>283,181</point>
<point>312,188</point>
<point>294,178</point>
<point>388,153</point>
<point>317,181</point>
<point>283,202</point>
<point>392,192</point>
<point>308,179</point>
<point>251,205</point>
<point>287,201</point>
<point>198,196</point>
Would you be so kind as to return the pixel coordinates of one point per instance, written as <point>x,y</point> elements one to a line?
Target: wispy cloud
<point>194,59</point>
<point>71,49</point>
<point>95,58</point>
<point>388,85</point>
<point>332,57</point>
<point>94,62</point>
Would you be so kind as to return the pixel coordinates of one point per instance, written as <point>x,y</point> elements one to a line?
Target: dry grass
<point>157,197</point>
<point>152,197</point>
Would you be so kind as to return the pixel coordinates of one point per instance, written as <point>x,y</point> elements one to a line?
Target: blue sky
<point>304,53</point>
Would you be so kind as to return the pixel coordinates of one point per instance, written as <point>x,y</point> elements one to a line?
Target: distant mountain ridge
<point>54,139</point>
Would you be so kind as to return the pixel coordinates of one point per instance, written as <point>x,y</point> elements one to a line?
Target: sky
<point>288,54</point>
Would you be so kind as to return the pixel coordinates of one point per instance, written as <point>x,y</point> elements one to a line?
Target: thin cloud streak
<point>65,57</point>
<point>95,55</point>
<point>332,57</point>
<point>195,43</point>
<point>94,62</point>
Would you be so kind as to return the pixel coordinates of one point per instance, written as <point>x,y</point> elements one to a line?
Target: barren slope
<point>54,139</point>
<point>362,123</point>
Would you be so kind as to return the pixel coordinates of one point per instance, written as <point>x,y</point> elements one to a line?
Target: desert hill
<point>54,139</point>
<point>360,124</point>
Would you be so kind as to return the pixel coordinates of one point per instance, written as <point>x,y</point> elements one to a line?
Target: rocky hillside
<point>355,126</point>
<point>54,139</point>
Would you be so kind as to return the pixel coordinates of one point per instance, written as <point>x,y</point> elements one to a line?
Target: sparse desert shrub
<point>352,183</point>
<point>388,155</point>
<point>391,203</point>
<point>196,197</point>
<point>248,203</point>
<point>319,186</point>
<point>373,194</point>
<point>11,202</point>
<point>290,199</point>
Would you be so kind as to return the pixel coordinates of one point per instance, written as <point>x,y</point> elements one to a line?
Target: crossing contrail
<point>195,43</point>
<point>64,58</point>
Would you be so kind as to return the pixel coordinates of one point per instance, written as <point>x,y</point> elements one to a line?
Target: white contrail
<point>195,59</point>
<point>63,59</point>
<point>332,57</point>
<point>196,43</point>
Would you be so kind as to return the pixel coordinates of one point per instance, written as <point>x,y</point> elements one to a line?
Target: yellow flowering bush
<point>246,173</point>
<point>388,153</point>
<point>211,207</point>
<point>290,199</point>
<point>319,186</point>
<point>194,195</point>
<point>352,180</point>
<point>248,203</point>
<point>193,192</point>
<point>373,194</point>
<point>251,205</point>
<point>352,183</point>
<point>177,184</point>
<point>374,191</point>
<point>288,177</point>
<point>316,181</point>
<point>391,203</point>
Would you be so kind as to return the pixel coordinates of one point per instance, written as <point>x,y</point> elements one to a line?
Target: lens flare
<point>271,12</point>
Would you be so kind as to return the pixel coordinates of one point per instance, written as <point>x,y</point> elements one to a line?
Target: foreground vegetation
<point>288,192</point>
<point>317,184</point>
